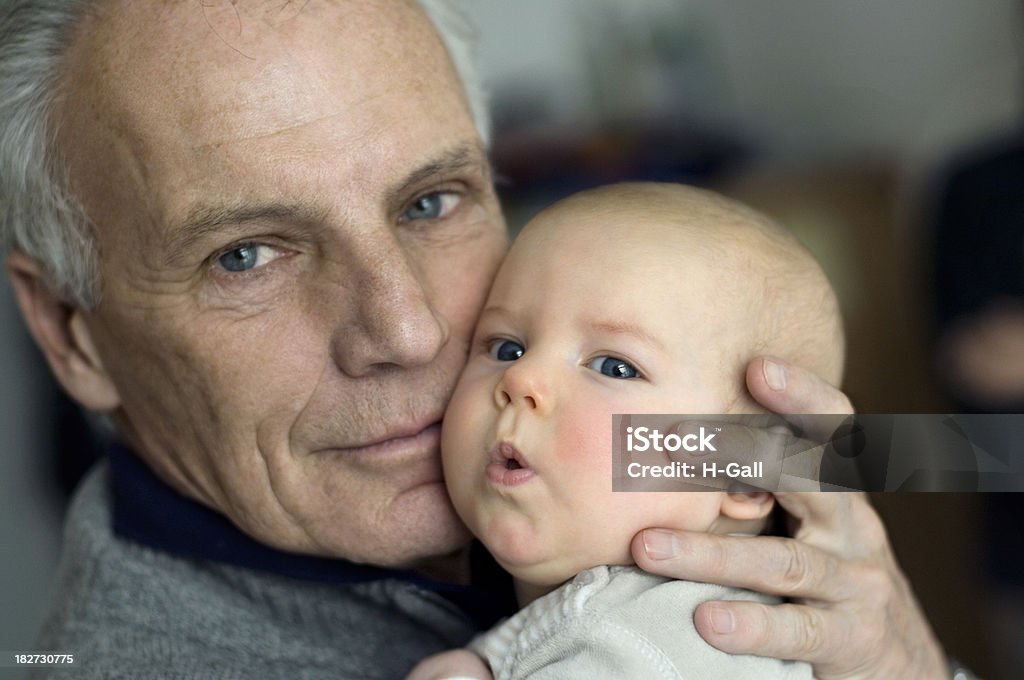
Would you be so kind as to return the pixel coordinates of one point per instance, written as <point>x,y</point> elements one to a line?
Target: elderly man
<point>257,235</point>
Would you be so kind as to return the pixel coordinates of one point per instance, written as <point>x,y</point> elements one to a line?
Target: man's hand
<point>851,612</point>
<point>455,664</point>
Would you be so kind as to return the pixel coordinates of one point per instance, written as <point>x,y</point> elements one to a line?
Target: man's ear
<point>60,330</point>
<point>747,505</point>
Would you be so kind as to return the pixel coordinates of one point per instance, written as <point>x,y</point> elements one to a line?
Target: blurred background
<point>887,134</point>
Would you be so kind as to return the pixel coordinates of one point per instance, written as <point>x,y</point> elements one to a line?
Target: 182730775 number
<point>41,658</point>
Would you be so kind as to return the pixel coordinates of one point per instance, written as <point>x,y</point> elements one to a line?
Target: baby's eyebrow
<point>618,327</point>
<point>496,309</point>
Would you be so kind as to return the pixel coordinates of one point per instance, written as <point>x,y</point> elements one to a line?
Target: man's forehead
<point>193,100</point>
<point>213,54</point>
<point>242,26</point>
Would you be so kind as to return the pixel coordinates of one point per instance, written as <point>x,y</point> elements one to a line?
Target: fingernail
<point>774,375</point>
<point>660,545</point>
<point>722,621</point>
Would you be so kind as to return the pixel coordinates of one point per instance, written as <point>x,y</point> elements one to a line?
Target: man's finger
<point>820,508</point>
<point>788,389</point>
<point>784,631</point>
<point>767,564</point>
<point>843,523</point>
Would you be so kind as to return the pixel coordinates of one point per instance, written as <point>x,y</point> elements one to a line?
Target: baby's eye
<point>613,368</point>
<point>505,350</point>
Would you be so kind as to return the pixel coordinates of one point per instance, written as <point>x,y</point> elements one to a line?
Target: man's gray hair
<point>39,216</point>
<point>460,38</point>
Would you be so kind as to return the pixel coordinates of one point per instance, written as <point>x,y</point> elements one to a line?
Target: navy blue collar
<point>149,512</point>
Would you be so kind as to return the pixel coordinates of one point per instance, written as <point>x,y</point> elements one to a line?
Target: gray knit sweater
<point>128,611</point>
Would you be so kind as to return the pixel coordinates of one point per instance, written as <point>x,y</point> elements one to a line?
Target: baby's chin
<point>548,569</point>
<point>544,574</point>
<point>543,553</point>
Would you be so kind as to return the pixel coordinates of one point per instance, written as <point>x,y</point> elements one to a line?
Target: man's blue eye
<point>247,256</point>
<point>506,350</point>
<point>431,206</point>
<point>240,259</point>
<point>425,208</point>
<point>614,368</point>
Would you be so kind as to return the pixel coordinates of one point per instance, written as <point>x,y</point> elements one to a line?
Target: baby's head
<point>632,298</point>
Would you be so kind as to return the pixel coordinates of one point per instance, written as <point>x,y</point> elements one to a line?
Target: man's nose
<point>524,385</point>
<point>395,322</point>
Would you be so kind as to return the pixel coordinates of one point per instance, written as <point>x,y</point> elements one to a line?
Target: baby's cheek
<point>585,438</point>
<point>460,435</point>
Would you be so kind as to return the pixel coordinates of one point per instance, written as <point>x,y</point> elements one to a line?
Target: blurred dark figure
<point>979,279</point>
<point>979,297</point>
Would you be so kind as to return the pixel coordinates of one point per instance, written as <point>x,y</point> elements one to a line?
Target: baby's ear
<point>747,505</point>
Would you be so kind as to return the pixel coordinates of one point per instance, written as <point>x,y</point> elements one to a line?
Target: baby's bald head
<point>731,273</point>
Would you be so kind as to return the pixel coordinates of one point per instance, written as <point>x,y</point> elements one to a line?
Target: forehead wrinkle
<point>277,130</point>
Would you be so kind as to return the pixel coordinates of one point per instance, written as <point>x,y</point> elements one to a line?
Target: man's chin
<point>419,531</point>
<point>444,558</point>
<point>447,539</point>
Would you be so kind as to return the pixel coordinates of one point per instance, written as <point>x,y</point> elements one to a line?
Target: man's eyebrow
<point>625,328</point>
<point>206,219</point>
<point>461,158</point>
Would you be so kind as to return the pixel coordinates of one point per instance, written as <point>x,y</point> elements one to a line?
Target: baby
<point>632,298</point>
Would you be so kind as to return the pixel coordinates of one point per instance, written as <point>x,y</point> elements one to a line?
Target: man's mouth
<point>400,443</point>
<point>508,466</point>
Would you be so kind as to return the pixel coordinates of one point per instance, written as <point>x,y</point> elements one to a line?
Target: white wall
<point>803,76</point>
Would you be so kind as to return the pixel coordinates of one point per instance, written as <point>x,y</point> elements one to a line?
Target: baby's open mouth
<point>508,466</point>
